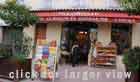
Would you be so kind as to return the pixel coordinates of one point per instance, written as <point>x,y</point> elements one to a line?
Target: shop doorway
<point>121,35</point>
<point>80,32</point>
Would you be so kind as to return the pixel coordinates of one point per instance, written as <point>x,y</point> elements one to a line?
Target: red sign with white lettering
<point>91,16</point>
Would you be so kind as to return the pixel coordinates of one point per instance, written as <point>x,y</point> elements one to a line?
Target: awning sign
<point>92,16</point>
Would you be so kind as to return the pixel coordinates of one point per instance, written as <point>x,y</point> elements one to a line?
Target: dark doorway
<point>78,31</point>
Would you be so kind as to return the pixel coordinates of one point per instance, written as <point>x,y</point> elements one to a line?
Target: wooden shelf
<point>107,64</point>
<point>106,56</point>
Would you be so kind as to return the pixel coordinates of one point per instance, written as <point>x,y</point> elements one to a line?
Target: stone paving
<point>65,74</point>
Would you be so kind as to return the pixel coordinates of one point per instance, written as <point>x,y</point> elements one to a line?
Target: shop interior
<point>80,32</point>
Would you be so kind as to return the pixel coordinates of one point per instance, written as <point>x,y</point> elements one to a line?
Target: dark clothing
<point>75,55</point>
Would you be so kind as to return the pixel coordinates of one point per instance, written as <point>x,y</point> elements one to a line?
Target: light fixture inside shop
<point>81,32</point>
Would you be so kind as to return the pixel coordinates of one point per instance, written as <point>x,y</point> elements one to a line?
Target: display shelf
<point>106,56</point>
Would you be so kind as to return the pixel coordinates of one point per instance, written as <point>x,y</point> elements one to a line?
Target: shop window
<point>11,41</point>
<point>121,35</point>
<point>10,35</point>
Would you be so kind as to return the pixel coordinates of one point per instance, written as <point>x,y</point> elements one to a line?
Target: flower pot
<point>7,66</point>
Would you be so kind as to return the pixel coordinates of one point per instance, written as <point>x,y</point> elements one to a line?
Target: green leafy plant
<point>17,15</point>
<point>22,49</point>
<point>132,6</point>
<point>5,51</point>
<point>132,59</point>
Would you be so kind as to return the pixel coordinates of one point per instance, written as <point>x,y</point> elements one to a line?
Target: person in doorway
<point>84,53</point>
<point>75,53</point>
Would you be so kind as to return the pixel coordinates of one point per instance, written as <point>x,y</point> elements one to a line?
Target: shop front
<point>87,26</point>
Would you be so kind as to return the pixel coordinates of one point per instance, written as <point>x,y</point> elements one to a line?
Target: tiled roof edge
<point>55,10</point>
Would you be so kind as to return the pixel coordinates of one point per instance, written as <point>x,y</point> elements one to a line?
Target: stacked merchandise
<point>44,60</point>
<point>104,55</point>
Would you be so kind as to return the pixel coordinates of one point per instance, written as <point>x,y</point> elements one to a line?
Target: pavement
<point>84,73</point>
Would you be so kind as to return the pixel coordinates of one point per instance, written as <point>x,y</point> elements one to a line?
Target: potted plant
<point>132,61</point>
<point>15,56</point>
<point>22,50</point>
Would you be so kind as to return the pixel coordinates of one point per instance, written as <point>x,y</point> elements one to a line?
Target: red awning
<point>91,16</point>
